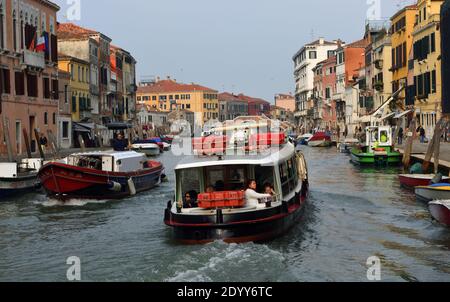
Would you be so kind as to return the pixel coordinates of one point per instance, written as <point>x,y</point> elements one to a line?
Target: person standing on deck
<point>43,142</point>
<point>251,196</point>
<point>400,136</point>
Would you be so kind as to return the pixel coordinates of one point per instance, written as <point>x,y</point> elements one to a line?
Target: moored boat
<point>410,181</point>
<point>434,192</point>
<point>148,149</point>
<point>378,149</point>
<point>440,210</point>
<point>100,175</point>
<point>19,178</point>
<point>223,213</point>
<point>320,139</point>
<point>304,139</point>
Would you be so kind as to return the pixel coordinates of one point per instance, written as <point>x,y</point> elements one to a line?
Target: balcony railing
<point>33,59</point>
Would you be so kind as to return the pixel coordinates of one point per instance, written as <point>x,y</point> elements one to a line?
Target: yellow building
<point>168,95</point>
<point>427,65</point>
<point>79,85</point>
<point>402,42</point>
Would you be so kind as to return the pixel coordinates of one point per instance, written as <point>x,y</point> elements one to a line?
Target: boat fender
<point>114,186</point>
<point>131,187</point>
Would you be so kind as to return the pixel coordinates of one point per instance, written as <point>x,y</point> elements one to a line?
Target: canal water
<point>352,214</point>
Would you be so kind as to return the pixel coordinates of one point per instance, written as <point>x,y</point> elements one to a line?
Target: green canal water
<point>352,214</point>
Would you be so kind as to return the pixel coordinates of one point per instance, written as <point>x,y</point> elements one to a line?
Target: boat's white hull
<point>147,149</point>
<point>428,194</point>
<point>319,143</point>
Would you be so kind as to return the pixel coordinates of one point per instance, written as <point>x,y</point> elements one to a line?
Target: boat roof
<point>270,157</point>
<point>115,154</point>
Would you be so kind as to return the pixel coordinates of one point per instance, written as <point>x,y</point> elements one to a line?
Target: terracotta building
<point>28,73</point>
<point>285,101</point>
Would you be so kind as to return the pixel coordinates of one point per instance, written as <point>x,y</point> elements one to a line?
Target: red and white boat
<point>320,139</point>
<point>440,210</point>
<point>410,181</point>
<point>101,175</point>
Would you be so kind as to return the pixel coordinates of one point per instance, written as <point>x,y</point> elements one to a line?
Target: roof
<point>317,43</point>
<point>117,154</point>
<point>272,158</point>
<point>363,43</point>
<point>401,11</point>
<point>64,57</point>
<point>169,86</point>
<point>229,97</point>
<point>72,31</point>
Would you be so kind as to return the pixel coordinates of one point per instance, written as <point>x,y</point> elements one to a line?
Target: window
<point>55,89</point>
<point>72,72</point>
<point>66,94</point>
<point>331,53</point>
<point>433,81</point>
<point>5,84</point>
<point>32,85</point>
<point>46,82</point>
<point>341,58</point>
<point>404,55</point>
<point>188,106</point>
<point>2,27</point>
<point>328,92</point>
<point>79,74</point>
<point>433,42</point>
<point>177,97</point>
<point>313,55</point>
<point>65,130</point>
<point>19,83</point>
<point>74,104</point>
<point>45,118</point>
<point>54,118</point>
<point>154,98</point>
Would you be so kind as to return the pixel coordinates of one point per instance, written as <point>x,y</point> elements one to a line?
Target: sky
<point>239,46</point>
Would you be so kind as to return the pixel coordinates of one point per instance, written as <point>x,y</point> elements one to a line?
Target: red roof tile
<point>73,31</point>
<point>169,86</point>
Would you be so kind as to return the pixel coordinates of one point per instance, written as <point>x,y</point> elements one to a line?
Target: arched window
<point>14,30</point>
<point>2,27</point>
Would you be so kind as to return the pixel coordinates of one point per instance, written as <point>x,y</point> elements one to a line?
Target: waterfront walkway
<point>63,153</point>
<point>420,150</point>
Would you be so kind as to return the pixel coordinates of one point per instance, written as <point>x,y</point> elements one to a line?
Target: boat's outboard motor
<point>437,179</point>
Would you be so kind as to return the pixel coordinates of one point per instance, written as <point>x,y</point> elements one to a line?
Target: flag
<point>32,43</point>
<point>41,45</point>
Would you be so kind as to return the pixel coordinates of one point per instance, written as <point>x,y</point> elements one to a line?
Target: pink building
<point>324,90</point>
<point>285,101</point>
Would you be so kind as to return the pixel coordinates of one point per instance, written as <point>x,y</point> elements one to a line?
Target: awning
<point>77,127</point>
<point>119,126</point>
<point>402,114</point>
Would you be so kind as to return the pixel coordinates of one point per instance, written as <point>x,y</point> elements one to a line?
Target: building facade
<point>231,107</point>
<point>64,119</point>
<point>445,41</point>
<point>168,95</point>
<point>381,67</point>
<point>28,77</point>
<point>286,101</point>
<point>401,32</point>
<point>427,65</point>
<point>304,61</point>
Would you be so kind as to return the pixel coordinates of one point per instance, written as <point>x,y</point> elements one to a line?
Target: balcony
<point>33,59</point>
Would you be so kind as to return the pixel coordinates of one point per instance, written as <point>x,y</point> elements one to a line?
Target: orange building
<point>28,77</point>
<point>285,101</point>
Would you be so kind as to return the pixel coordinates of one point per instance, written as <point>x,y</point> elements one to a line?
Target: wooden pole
<point>27,142</point>
<point>7,139</point>
<point>81,142</point>
<point>409,144</point>
<point>432,146</point>
<point>53,144</point>
<point>41,152</point>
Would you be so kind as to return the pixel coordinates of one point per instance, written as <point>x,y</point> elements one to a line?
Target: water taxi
<point>217,181</point>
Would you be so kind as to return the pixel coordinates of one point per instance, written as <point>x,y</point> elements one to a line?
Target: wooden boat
<point>347,145</point>
<point>433,192</point>
<point>378,149</point>
<point>410,181</point>
<point>19,178</point>
<point>148,149</point>
<point>224,213</point>
<point>100,175</point>
<point>320,139</point>
<point>440,210</point>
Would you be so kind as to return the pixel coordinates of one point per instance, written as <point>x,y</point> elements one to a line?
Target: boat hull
<point>390,159</point>
<point>149,151</point>
<point>427,194</point>
<point>440,212</point>
<point>19,185</point>
<point>319,143</point>
<point>410,181</point>
<point>255,226</point>
<point>64,182</point>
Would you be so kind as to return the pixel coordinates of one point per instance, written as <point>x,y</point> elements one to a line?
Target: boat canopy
<point>111,161</point>
<point>269,157</point>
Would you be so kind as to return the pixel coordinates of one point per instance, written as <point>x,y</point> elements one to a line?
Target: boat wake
<point>221,262</point>
<point>70,203</point>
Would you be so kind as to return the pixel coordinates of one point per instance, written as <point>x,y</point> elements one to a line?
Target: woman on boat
<point>189,201</point>
<point>251,196</point>
<point>268,189</point>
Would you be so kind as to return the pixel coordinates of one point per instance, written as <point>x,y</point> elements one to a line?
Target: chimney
<point>158,79</point>
<point>168,77</point>
<point>321,41</point>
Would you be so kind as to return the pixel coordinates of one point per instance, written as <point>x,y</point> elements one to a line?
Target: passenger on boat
<point>189,201</point>
<point>268,189</point>
<point>210,189</point>
<point>120,144</point>
<point>251,196</point>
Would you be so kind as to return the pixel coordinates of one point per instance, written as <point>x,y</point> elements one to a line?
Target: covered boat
<point>100,175</point>
<point>410,181</point>
<point>320,139</point>
<point>19,178</point>
<point>433,192</point>
<point>378,148</point>
<point>218,184</point>
<point>440,210</point>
